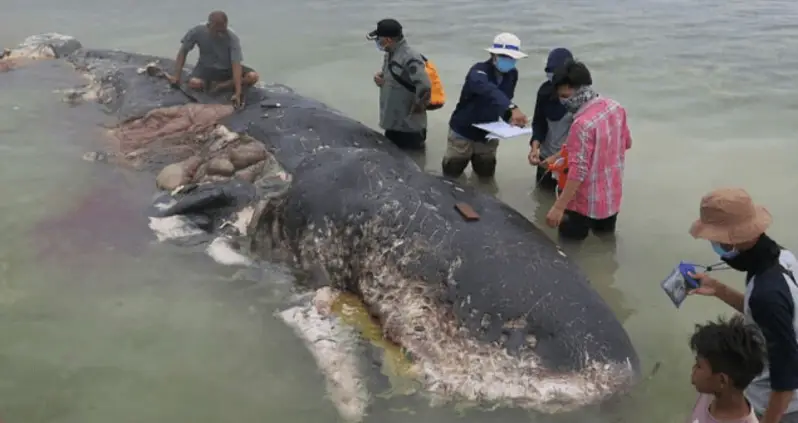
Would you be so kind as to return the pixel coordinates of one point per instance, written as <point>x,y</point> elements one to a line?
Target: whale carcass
<point>490,310</point>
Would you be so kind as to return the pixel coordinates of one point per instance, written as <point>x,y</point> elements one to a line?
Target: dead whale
<point>491,311</point>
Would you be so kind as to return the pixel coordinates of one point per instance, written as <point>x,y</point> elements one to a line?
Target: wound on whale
<point>490,310</point>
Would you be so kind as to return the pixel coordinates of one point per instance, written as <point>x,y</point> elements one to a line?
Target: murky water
<point>99,323</point>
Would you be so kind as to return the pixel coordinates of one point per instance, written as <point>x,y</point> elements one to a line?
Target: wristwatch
<point>512,107</point>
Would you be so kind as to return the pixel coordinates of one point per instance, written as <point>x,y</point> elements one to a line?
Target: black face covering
<point>763,255</point>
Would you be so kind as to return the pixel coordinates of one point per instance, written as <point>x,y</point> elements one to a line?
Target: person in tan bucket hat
<point>730,217</point>
<point>735,226</point>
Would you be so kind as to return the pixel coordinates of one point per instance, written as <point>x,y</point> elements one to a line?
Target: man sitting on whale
<point>219,65</point>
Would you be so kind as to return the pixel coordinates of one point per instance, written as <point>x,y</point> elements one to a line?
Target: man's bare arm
<point>186,45</point>
<point>734,298</point>
<point>180,61</point>
<point>236,58</point>
<point>237,78</point>
<point>777,405</point>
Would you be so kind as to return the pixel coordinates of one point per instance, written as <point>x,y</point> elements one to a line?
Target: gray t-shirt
<point>217,52</point>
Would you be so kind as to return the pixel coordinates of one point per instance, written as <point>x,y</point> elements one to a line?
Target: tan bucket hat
<point>729,216</point>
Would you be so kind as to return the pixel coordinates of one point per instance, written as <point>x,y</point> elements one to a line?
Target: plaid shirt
<point>597,144</point>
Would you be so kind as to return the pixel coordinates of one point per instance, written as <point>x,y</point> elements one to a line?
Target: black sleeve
<point>513,83</point>
<point>773,309</point>
<point>540,126</point>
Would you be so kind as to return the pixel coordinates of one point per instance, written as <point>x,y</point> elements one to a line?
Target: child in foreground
<point>728,355</point>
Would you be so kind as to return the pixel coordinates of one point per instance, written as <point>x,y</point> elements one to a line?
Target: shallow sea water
<point>98,322</point>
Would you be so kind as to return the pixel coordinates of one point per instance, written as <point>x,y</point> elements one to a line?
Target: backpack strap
<point>777,268</point>
<point>789,274</point>
<point>405,83</point>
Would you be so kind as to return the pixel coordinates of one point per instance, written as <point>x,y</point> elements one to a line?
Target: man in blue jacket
<point>486,97</point>
<point>550,121</point>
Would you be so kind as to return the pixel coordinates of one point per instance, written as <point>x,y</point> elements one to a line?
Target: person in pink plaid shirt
<point>596,146</point>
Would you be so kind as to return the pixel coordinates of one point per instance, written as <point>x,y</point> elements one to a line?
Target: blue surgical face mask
<point>505,64</point>
<point>549,75</point>
<point>719,250</point>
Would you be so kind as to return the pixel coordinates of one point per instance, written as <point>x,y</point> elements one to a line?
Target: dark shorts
<point>408,140</point>
<point>575,226</point>
<point>217,75</point>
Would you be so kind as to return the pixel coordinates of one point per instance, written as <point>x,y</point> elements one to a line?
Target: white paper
<point>502,129</point>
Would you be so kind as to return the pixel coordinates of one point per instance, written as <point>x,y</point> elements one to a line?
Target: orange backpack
<point>437,95</point>
<point>559,169</point>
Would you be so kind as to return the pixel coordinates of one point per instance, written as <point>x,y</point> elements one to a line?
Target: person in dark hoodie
<point>486,96</point>
<point>550,122</point>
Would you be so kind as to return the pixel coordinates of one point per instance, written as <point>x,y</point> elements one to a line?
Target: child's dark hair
<point>573,74</point>
<point>732,347</point>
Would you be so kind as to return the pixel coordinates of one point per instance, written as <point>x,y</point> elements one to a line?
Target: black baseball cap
<point>386,28</point>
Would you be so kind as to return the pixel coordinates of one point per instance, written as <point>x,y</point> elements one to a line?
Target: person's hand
<point>534,156</point>
<point>236,99</point>
<point>549,161</point>
<point>378,80</point>
<point>554,216</point>
<point>173,79</point>
<point>518,118</point>
<point>707,285</point>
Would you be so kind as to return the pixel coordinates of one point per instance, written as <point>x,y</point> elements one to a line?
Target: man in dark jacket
<point>486,97</point>
<point>550,122</point>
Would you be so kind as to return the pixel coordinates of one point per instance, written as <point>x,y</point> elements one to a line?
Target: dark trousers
<point>577,227</point>
<point>408,140</point>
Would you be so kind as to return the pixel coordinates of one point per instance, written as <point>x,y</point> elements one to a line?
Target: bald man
<point>219,65</point>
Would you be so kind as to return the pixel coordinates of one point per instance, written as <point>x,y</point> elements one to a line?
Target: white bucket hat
<point>507,44</point>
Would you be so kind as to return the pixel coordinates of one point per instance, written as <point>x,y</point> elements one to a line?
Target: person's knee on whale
<point>219,66</point>
<point>486,97</point>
